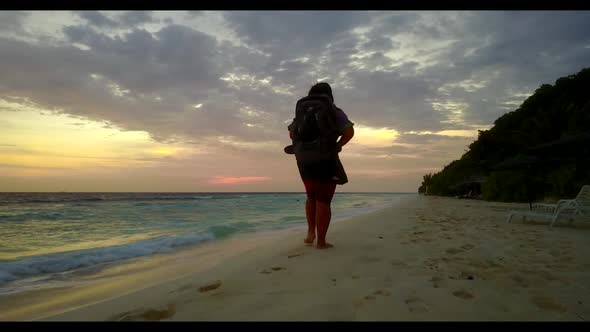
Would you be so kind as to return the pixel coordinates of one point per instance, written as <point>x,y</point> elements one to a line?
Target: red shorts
<point>319,191</point>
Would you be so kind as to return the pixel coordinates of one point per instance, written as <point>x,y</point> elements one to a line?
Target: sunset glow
<point>105,100</point>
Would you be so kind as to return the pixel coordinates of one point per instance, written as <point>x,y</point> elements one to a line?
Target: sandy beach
<point>424,259</point>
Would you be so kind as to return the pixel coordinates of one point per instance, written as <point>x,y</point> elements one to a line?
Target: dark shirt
<point>329,170</point>
<point>342,121</point>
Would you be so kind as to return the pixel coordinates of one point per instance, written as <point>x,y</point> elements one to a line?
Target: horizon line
<point>195,192</point>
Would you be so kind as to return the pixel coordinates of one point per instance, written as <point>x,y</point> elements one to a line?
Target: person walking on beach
<point>319,131</point>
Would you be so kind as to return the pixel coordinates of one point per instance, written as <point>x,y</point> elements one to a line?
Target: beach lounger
<point>579,206</point>
<point>582,200</point>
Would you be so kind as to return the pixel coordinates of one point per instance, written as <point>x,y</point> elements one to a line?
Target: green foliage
<point>552,112</point>
<point>426,183</point>
<point>560,181</point>
<point>505,186</point>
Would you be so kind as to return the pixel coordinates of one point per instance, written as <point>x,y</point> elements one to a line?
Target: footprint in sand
<point>432,264</point>
<point>463,294</point>
<point>276,268</point>
<point>210,286</point>
<point>147,314</point>
<point>360,303</point>
<point>453,251</point>
<point>398,263</point>
<point>415,304</point>
<point>379,292</point>
<point>468,246</point>
<point>437,281</point>
<point>382,292</point>
<point>547,303</point>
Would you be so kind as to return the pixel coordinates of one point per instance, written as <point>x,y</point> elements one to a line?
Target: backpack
<point>314,130</point>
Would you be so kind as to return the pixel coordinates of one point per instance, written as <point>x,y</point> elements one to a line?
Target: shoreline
<point>57,279</point>
<point>423,258</point>
<point>46,302</point>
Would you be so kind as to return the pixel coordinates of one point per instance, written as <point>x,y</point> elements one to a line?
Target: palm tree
<point>426,183</point>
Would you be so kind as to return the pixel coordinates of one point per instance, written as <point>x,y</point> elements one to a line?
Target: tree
<point>552,112</point>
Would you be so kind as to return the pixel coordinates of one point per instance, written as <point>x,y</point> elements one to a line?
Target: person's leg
<point>324,212</point>
<point>310,211</point>
<point>323,216</point>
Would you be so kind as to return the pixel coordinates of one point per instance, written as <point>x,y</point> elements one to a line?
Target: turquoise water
<point>45,234</point>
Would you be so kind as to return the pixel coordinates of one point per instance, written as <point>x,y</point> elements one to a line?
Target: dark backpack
<point>314,130</point>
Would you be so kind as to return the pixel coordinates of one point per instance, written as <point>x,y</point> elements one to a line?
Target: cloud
<point>388,98</point>
<point>435,75</point>
<point>190,74</point>
<point>97,19</point>
<point>12,21</point>
<point>134,18</point>
<point>126,19</point>
<point>304,31</point>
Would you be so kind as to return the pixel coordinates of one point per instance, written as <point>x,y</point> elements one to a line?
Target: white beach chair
<point>582,200</point>
<point>579,206</point>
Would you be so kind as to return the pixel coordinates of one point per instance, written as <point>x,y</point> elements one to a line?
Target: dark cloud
<point>178,57</point>
<point>182,67</point>
<point>97,19</point>
<point>12,21</point>
<point>485,59</point>
<point>379,43</point>
<point>292,32</point>
<point>127,19</point>
<point>389,99</point>
<point>133,18</point>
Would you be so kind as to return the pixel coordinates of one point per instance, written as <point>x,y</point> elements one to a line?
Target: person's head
<point>321,88</point>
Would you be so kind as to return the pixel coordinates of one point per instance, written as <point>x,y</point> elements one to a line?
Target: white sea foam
<point>66,261</point>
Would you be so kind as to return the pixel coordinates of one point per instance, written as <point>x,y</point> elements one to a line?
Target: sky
<point>196,101</point>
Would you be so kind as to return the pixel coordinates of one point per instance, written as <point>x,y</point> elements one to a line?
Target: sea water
<point>44,236</point>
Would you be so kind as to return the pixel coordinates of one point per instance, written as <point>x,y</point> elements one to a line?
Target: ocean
<point>45,236</point>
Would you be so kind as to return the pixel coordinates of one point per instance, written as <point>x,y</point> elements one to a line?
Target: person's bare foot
<point>324,246</point>
<point>309,239</point>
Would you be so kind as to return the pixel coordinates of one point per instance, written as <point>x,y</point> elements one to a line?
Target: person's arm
<point>346,136</point>
<point>290,129</point>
